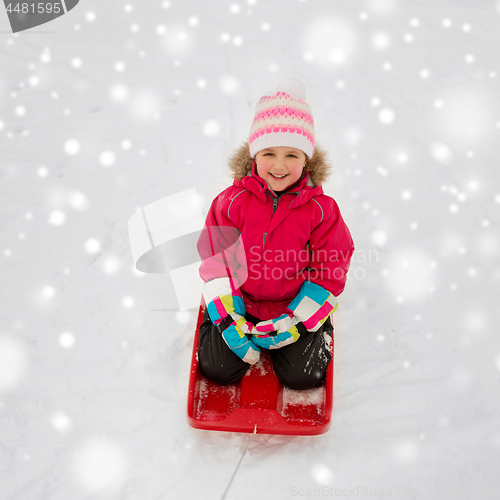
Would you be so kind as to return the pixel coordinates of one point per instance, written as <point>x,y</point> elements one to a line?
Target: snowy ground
<point>118,104</point>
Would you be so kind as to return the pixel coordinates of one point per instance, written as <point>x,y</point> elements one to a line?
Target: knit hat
<point>283,118</point>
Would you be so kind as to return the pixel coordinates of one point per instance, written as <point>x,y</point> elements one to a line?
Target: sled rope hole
<point>239,463</point>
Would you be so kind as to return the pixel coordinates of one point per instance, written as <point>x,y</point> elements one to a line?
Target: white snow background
<point>118,104</point>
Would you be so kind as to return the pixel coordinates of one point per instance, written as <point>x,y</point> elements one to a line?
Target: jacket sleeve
<point>220,246</point>
<point>331,248</point>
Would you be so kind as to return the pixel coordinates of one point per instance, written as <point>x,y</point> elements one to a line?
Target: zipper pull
<point>275,205</point>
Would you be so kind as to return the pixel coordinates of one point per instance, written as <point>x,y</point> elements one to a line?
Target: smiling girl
<point>275,207</point>
<point>280,167</point>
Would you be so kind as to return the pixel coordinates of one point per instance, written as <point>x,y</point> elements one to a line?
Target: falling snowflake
<point>72,147</point>
<point>61,422</point>
<point>107,158</point>
<point>211,128</point>
<point>337,35</point>
<point>386,116</point>
<point>99,464</point>
<point>92,245</point>
<point>381,40</point>
<point>322,474</point>
<point>66,339</point>
<point>57,218</point>
<point>13,363</point>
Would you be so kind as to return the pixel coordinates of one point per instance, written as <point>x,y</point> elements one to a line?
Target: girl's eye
<point>271,154</point>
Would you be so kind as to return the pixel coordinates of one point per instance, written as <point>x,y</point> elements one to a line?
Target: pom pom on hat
<point>293,87</point>
<point>283,118</point>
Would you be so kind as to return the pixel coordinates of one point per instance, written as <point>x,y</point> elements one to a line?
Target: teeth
<point>279,176</point>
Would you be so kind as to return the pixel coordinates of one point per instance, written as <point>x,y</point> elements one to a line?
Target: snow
<point>311,397</point>
<point>112,107</point>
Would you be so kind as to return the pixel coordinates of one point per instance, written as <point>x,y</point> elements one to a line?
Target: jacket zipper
<point>275,206</point>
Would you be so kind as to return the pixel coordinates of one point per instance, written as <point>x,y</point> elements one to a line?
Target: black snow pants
<point>301,365</point>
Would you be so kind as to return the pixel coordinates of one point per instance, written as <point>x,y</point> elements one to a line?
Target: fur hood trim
<point>240,164</point>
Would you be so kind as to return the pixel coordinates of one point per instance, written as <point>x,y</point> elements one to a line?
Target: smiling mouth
<point>278,176</point>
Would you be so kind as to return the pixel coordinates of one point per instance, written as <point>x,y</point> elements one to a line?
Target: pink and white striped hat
<point>283,118</point>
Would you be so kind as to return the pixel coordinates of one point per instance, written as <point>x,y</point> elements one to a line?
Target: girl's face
<point>280,166</point>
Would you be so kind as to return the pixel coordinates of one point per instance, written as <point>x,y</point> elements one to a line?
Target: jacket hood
<point>240,164</point>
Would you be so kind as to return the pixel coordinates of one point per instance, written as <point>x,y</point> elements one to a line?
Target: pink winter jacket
<point>282,242</point>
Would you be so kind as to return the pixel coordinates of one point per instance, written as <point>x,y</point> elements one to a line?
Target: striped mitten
<point>226,310</point>
<point>312,306</point>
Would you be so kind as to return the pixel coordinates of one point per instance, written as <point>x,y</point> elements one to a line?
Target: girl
<point>275,251</point>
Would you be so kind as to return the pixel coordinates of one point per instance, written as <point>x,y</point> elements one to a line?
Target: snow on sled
<point>258,401</point>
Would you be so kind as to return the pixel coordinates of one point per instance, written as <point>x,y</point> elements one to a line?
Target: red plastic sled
<point>257,400</point>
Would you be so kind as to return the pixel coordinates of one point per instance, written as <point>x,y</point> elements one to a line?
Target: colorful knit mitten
<point>226,310</point>
<point>311,307</point>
